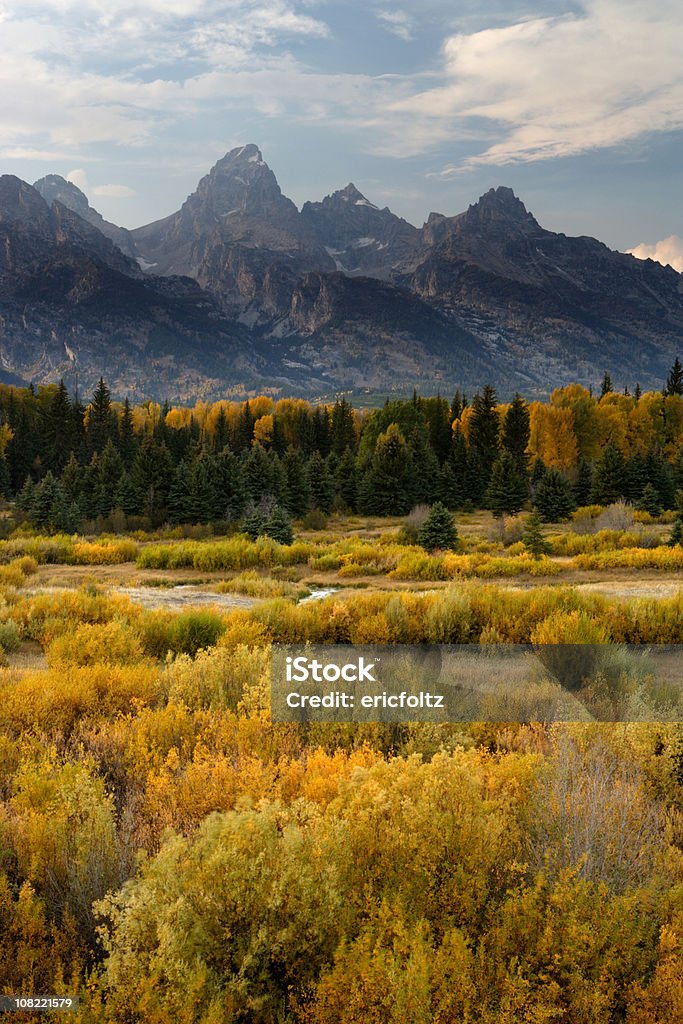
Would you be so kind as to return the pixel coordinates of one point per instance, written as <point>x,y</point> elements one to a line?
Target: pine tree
<point>72,480</point>
<point>676,536</point>
<point>533,538</point>
<point>660,475</point>
<point>438,532</point>
<point>425,480</point>
<point>649,501</point>
<point>637,393</point>
<point>100,418</point>
<point>126,436</point>
<point>456,406</point>
<point>5,482</point>
<point>109,470</point>
<point>386,487</point>
<point>221,433</point>
<point>263,474</point>
<point>610,476</point>
<point>437,415</point>
<point>606,388</point>
<point>58,436</point>
<point>483,442</point>
<point>231,492</point>
<point>674,382</point>
<point>279,526</point>
<point>322,432</point>
<point>244,434</point>
<point>583,484</point>
<point>297,498</point>
<point>507,490</point>
<point>343,430</point>
<point>125,497</point>
<point>346,480</point>
<point>554,499</point>
<point>516,433</point>
<point>152,475</point>
<point>320,484</point>
<point>454,476</point>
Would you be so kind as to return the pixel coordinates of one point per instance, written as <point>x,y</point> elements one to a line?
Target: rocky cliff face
<point>55,188</point>
<point>230,230</point>
<point>73,305</point>
<point>361,238</point>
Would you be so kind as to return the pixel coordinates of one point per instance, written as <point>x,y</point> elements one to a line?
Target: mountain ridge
<point>320,296</point>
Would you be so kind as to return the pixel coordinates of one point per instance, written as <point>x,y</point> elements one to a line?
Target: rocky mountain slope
<point>73,305</point>
<point>242,289</point>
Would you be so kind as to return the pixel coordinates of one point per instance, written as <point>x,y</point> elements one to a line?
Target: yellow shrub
<point>111,643</point>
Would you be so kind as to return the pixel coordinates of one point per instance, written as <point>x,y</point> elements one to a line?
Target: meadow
<point>167,852</point>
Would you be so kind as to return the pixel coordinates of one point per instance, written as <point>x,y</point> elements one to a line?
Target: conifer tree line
<point>263,461</point>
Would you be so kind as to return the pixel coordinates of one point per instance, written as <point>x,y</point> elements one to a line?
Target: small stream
<point>319,594</point>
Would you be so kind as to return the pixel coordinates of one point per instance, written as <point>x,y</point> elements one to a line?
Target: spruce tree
<point>533,538</point>
<point>125,497</point>
<point>263,474</point>
<point>676,536</point>
<point>438,532</point>
<point>425,481</point>
<point>483,442</point>
<point>516,433</point>
<point>554,499</point>
<point>386,487</point>
<point>346,480</point>
<point>100,418</point>
<point>109,470</point>
<point>507,490</point>
<point>58,438</point>
<point>231,492</point>
<point>607,387</point>
<point>297,496</point>
<point>126,436</point>
<point>320,484</point>
<point>610,476</point>
<point>152,476</point>
<point>5,482</point>
<point>279,526</point>
<point>454,476</point>
<point>649,501</point>
<point>583,484</point>
<point>674,382</point>
<point>221,433</point>
<point>343,430</point>
<point>437,415</point>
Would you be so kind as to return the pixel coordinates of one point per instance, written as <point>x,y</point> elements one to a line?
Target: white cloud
<point>114,191</point>
<point>79,178</point>
<point>399,23</point>
<point>556,87</point>
<point>667,251</point>
<point>86,73</point>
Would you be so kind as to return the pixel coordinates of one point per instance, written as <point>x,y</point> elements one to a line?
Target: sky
<point>424,104</point>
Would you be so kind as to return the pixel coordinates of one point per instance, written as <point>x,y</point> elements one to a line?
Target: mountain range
<point>239,292</point>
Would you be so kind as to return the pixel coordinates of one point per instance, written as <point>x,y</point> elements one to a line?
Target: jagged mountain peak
<point>54,187</point>
<point>241,181</point>
<point>500,202</point>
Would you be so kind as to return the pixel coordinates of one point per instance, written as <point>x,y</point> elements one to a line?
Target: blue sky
<point>423,105</point>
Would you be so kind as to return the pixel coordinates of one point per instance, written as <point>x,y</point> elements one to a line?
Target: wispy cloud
<point>399,23</point>
<point>79,177</point>
<point>116,73</point>
<point>667,251</point>
<point>557,87</point>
